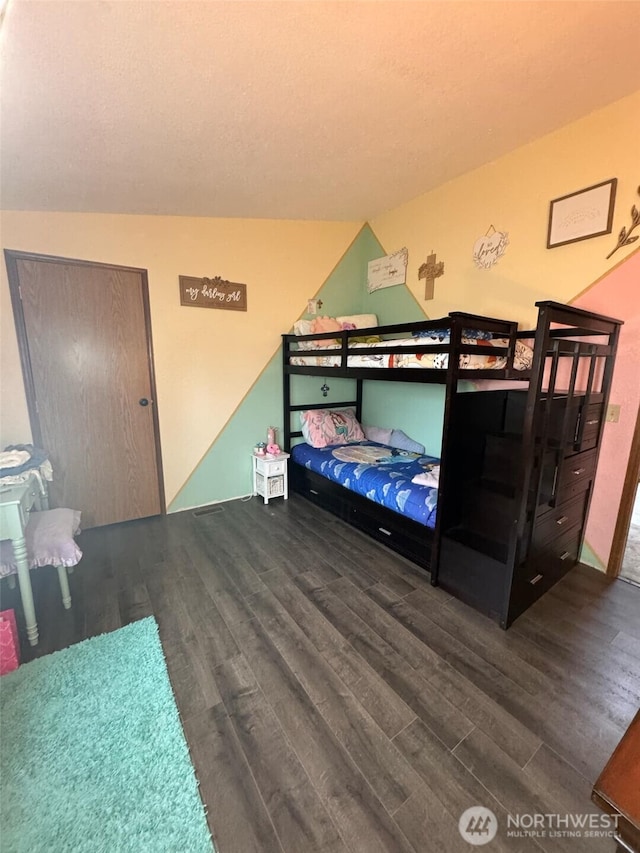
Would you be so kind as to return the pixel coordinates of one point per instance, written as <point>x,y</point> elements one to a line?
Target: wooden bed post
<point>359,384</point>
<point>286,396</point>
<point>451,388</point>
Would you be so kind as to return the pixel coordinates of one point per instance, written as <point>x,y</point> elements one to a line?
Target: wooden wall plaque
<point>213,293</point>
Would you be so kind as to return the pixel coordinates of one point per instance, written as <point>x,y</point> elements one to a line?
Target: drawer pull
<point>562,519</point>
<point>536,579</point>
<point>386,532</point>
<point>594,421</point>
<point>313,491</point>
<point>578,471</point>
<point>565,555</point>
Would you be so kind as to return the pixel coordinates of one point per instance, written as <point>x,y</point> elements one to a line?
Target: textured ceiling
<point>295,109</point>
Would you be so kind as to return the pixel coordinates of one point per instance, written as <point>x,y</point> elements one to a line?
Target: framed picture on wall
<point>581,215</point>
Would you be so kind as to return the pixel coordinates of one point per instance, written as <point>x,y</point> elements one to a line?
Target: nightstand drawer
<point>270,467</point>
<point>276,468</point>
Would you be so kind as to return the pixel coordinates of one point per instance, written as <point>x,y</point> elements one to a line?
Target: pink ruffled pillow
<point>49,539</point>
<point>325,324</point>
<point>323,427</point>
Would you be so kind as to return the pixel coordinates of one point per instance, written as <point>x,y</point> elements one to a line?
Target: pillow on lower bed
<point>402,441</point>
<point>378,434</point>
<point>322,427</point>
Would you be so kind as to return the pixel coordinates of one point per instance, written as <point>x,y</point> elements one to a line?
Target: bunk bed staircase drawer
<point>572,427</point>
<point>589,426</point>
<point>554,558</point>
<point>547,563</point>
<point>563,517</point>
<point>575,475</point>
<point>563,479</point>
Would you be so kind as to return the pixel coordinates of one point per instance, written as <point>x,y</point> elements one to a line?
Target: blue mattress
<point>383,475</point>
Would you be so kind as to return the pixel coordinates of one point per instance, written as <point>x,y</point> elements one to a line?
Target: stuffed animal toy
<point>273,449</point>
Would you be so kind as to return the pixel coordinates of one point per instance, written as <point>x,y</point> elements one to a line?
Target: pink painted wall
<point>616,294</point>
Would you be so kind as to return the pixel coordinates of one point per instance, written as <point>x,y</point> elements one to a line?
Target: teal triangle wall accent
<point>589,556</point>
<point>225,470</point>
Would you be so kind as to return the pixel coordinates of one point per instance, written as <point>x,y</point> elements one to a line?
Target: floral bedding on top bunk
<point>485,361</point>
<point>382,474</point>
<point>324,351</point>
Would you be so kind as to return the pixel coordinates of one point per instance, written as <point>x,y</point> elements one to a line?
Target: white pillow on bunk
<point>303,327</point>
<point>360,321</point>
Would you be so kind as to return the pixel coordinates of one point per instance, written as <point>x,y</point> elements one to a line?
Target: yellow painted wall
<point>513,195</point>
<point>205,360</point>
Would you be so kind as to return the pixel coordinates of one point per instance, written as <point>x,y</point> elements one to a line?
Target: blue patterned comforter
<point>377,472</point>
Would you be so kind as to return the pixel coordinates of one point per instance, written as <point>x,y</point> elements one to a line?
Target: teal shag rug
<point>92,753</point>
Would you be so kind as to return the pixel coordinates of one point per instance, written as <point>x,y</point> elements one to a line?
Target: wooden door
<point>85,344</point>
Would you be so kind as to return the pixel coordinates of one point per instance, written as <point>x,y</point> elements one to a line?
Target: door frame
<point>623,521</point>
<point>12,256</point>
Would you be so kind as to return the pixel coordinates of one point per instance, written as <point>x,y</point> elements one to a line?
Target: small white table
<point>270,476</point>
<point>16,502</point>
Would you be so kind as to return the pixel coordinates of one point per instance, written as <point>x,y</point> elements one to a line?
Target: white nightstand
<point>270,476</point>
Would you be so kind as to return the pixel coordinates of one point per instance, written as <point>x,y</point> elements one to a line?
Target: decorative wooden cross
<point>430,271</point>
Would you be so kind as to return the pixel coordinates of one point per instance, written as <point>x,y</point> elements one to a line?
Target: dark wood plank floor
<point>334,701</point>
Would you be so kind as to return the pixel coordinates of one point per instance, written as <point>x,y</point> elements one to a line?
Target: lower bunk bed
<point>370,485</point>
<point>489,515</point>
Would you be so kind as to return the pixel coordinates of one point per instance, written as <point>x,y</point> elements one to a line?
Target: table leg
<point>24,579</point>
<point>64,587</point>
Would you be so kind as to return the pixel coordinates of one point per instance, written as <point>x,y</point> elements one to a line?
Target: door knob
<point>143,401</point>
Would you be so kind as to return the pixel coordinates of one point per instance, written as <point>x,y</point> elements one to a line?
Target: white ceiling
<point>289,109</point>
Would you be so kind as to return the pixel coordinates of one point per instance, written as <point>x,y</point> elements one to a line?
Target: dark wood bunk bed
<point>517,464</point>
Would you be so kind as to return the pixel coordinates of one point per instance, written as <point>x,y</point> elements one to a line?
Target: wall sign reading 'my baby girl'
<point>213,293</point>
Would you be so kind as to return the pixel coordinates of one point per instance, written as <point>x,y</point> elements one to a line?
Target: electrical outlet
<point>312,306</point>
<point>613,414</point>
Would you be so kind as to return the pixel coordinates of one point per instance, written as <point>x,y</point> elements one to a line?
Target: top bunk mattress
<point>484,360</point>
<point>377,472</point>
